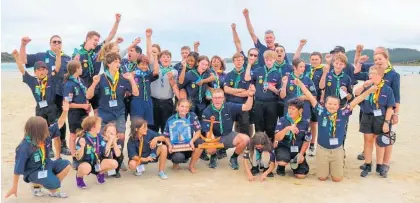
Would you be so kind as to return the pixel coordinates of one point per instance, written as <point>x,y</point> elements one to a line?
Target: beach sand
<point>223,184</point>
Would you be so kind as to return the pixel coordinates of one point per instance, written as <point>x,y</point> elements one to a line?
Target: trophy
<point>180,135</point>
<point>210,142</point>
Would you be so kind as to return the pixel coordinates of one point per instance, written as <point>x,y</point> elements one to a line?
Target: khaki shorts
<point>330,162</point>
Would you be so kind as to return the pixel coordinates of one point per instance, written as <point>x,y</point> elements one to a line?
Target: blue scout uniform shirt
<point>304,135</point>
<point>315,75</point>
<point>75,91</point>
<point>178,67</point>
<point>143,80</point>
<point>133,145</point>
<point>333,84</point>
<point>326,125</point>
<point>293,91</point>
<point>217,83</point>
<point>349,70</point>
<point>94,149</point>
<point>28,157</point>
<point>260,77</point>
<point>35,85</point>
<point>261,49</point>
<point>235,79</point>
<point>103,89</point>
<point>196,93</point>
<point>127,66</point>
<point>386,99</point>
<point>223,116</point>
<point>192,119</point>
<point>90,65</point>
<point>49,59</point>
<point>284,68</point>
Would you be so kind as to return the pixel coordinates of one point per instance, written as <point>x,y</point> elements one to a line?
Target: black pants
<point>120,160</point>
<point>280,110</point>
<point>162,110</point>
<point>265,117</point>
<point>59,104</point>
<point>127,102</point>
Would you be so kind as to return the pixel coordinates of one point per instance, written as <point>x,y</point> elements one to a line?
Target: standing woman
<point>218,68</point>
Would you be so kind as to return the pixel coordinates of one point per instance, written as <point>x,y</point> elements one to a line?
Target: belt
<point>166,100</point>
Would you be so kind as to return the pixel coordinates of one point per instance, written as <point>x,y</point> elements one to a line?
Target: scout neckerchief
<point>338,78</point>
<point>298,90</point>
<point>53,55</point>
<point>143,75</point>
<point>387,70</point>
<point>217,79</point>
<point>292,135</point>
<point>41,88</point>
<point>131,66</point>
<point>314,69</point>
<point>267,72</point>
<point>113,83</point>
<point>93,152</point>
<point>374,99</point>
<point>280,66</point>
<point>163,71</point>
<point>78,82</point>
<point>83,51</point>
<point>220,116</point>
<point>200,87</point>
<point>238,76</point>
<point>333,123</point>
<point>40,151</point>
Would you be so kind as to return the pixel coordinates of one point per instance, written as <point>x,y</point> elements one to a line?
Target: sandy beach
<point>223,184</point>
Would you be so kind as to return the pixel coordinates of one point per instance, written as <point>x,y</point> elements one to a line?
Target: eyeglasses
<point>56,42</point>
<point>253,55</point>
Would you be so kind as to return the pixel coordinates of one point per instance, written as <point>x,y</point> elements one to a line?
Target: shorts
<point>330,162</point>
<point>283,154</point>
<point>242,120</point>
<point>119,122</point>
<point>76,117</point>
<point>92,167</point>
<point>371,124</point>
<point>49,113</point>
<point>180,157</point>
<point>94,102</point>
<point>51,182</point>
<point>227,140</point>
<point>142,109</point>
<point>314,116</point>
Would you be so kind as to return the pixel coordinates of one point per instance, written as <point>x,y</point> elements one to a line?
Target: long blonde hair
<point>105,50</point>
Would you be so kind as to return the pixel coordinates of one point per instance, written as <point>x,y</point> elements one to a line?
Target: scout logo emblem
<point>329,84</point>
<point>260,81</point>
<point>193,85</point>
<point>291,88</point>
<point>231,83</point>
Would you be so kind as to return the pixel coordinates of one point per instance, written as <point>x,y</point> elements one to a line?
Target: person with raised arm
<point>252,52</point>
<point>32,160</point>
<point>49,58</point>
<point>185,51</point>
<point>44,91</point>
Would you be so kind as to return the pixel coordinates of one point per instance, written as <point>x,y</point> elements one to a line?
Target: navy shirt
<point>325,125</point>
<point>191,118</point>
<point>315,75</point>
<point>28,155</point>
<point>90,65</point>
<point>35,85</point>
<point>259,77</point>
<point>293,91</point>
<point>333,84</point>
<point>75,91</point>
<point>223,117</point>
<point>94,149</point>
<point>196,93</point>
<point>386,100</point>
<point>284,68</point>
<point>103,89</point>
<point>235,79</point>
<point>304,135</point>
<point>143,81</point>
<point>261,49</point>
<point>349,70</point>
<point>133,145</point>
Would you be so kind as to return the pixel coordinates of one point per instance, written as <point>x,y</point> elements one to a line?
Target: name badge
<point>97,167</point>
<point>333,141</point>
<point>343,94</point>
<point>324,122</point>
<point>377,112</point>
<point>112,172</point>
<point>42,174</point>
<point>43,104</point>
<point>113,103</point>
<point>294,149</point>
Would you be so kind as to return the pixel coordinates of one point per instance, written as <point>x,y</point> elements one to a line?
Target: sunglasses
<point>56,42</point>
<point>253,55</point>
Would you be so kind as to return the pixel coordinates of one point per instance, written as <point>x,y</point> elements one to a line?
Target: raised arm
<point>57,61</point>
<point>283,90</point>
<point>362,97</point>
<point>306,92</point>
<point>24,42</point>
<point>357,54</point>
<point>325,71</point>
<point>248,104</point>
<point>155,65</point>
<point>182,75</point>
<point>114,28</point>
<point>236,39</point>
<point>91,90</point>
<point>149,44</point>
<point>18,61</point>
<point>249,26</point>
<point>196,45</point>
<point>299,49</point>
<point>134,87</point>
<point>248,70</point>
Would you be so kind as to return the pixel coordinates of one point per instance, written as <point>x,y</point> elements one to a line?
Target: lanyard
<point>313,69</point>
<point>40,151</point>
<point>141,146</point>
<point>200,87</point>
<point>337,87</point>
<point>78,82</point>
<point>41,88</point>
<point>220,116</point>
<point>238,77</point>
<point>293,122</point>
<point>298,90</point>
<point>114,83</point>
<point>96,151</point>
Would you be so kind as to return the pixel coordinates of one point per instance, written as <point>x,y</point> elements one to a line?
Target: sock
<point>312,144</point>
<point>234,155</point>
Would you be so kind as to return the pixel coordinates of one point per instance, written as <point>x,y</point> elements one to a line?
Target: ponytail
<point>72,67</point>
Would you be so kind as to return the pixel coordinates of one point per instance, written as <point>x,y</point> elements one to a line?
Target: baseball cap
<point>386,139</point>
<point>338,49</point>
<point>40,64</point>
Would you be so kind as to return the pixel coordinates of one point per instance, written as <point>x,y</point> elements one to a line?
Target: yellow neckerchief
<point>43,157</point>
<point>293,122</point>
<point>387,70</point>
<point>141,147</point>
<point>376,94</point>
<point>114,83</point>
<point>313,69</point>
<point>333,120</point>
<point>43,86</point>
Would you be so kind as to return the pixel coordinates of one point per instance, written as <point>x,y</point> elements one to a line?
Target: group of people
<point>271,109</point>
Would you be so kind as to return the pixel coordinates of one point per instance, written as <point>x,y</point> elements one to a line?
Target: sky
<point>175,23</point>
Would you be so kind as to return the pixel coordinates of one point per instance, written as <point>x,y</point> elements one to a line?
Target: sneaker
<point>378,168</point>
<point>37,192</point>
<point>123,167</point>
<point>162,175</point>
<point>138,173</point>
<point>101,178</point>
<point>233,162</point>
<point>80,182</point>
<point>311,151</point>
<point>117,175</point>
<point>281,171</point>
<point>363,166</point>
<point>58,194</point>
<point>213,161</point>
<point>366,170</point>
<point>204,156</point>
<point>384,171</point>
<point>255,170</point>
<point>269,174</point>
<point>361,156</point>
<point>221,153</point>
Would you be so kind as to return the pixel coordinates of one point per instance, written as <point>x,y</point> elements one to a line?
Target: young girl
<point>114,151</point>
<point>91,148</point>
<point>183,108</point>
<point>189,64</point>
<point>143,148</point>
<point>75,93</point>
<point>260,150</point>
<point>31,159</point>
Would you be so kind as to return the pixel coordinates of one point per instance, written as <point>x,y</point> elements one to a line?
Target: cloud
<point>324,23</point>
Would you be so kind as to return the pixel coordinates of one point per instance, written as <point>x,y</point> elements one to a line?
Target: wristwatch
<point>388,121</point>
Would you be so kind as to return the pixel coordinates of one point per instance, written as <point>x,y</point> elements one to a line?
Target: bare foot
<point>192,169</point>
<point>175,167</point>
